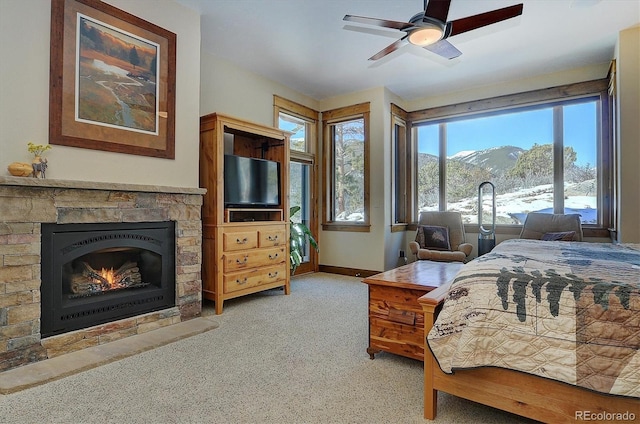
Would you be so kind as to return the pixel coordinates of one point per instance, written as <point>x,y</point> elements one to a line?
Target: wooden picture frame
<point>112,83</point>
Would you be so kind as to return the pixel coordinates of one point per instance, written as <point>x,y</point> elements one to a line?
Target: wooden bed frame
<point>524,394</point>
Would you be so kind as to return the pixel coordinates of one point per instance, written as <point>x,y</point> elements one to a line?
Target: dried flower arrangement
<point>37,149</point>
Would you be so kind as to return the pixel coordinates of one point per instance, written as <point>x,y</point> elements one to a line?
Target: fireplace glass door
<point>96,273</point>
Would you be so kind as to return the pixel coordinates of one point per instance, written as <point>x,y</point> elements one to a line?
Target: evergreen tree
<point>538,161</point>
<point>153,65</point>
<point>134,59</point>
<point>349,168</point>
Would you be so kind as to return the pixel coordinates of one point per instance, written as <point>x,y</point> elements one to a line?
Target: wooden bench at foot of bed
<point>524,394</point>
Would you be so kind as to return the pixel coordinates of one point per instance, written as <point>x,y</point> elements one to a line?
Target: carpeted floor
<point>273,359</point>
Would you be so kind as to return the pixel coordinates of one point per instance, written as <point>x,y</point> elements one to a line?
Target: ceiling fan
<point>430,29</point>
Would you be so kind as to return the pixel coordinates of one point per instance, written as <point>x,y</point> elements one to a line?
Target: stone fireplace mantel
<point>94,185</point>
<point>26,203</point>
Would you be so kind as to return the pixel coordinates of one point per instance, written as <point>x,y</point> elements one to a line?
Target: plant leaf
<point>298,235</point>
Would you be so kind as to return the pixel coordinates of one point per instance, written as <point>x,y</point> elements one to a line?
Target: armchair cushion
<point>560,236</point>
<point>536,225</point>
<point>441,256</point>
<point>433,237</point>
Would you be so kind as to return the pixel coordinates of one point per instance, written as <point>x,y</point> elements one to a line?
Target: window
<point>346,171</point>
<point>300,129</point>
<point>302,122</point>
<point>613,168</point>
<point>400,181</point>
<point>548,157</point>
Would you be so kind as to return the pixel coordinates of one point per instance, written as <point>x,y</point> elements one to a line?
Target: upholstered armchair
<point>548,226</point>
<point>440,237</point>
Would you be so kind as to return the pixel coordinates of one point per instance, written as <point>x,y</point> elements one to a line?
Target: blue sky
<point>521,129</point>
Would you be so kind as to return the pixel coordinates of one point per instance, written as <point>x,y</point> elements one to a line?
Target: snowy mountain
<point>497,159</point>
<point>513,202</point>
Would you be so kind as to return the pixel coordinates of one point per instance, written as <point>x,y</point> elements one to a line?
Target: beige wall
<point>501,88</point>
<point>586,73</point>
<point>226,88</point>
<point>237,92</point>
<point>628,81</point>
<point>364,250</point>
<point>207,84</point>
<point>229,89</point>
<point>24,97</point>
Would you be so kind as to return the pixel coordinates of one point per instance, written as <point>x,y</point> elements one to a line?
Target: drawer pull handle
<point>240,282</point>
<point>273,274</point>
<point>243,241</point>
<point>244,261</point>
<point>273,256</point>
<point>273,238</point>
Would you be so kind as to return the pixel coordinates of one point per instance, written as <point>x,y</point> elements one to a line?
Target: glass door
<point>300,195</point>
<point>301,177</point>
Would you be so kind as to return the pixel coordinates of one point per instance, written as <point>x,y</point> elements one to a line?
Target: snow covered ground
<point>512,208</point>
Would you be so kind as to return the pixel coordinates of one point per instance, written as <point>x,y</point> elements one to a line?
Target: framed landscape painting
<point>112,83</point>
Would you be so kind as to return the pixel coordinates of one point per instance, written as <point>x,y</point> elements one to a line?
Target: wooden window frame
<point>401,170</point>
<point>537,98</point>
<point>329,118</point>
<point>309,157</point>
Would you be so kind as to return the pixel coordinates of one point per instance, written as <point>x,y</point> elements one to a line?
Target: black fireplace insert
<point>97,273</point>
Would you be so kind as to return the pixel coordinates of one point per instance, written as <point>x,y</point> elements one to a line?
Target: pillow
<point>433,237</point>
<point>562,236</point>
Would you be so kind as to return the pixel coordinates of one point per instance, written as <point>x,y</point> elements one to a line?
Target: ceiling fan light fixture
<point>426,35</point>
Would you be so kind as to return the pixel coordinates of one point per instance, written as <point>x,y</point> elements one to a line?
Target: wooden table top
<point>418,275</point>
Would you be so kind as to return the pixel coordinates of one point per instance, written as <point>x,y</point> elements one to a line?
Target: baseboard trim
<point>352,272</point>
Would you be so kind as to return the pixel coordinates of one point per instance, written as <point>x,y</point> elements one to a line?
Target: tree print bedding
<point>569,311</point>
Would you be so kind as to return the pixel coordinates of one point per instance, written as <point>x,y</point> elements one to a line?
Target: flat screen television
<point>251,182</point>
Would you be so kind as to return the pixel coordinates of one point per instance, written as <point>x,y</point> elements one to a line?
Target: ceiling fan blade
<point>444,48</point>
<point>377,22</point>
<point>483,19</point>
<point>389,49</point>
<point>437,9</point>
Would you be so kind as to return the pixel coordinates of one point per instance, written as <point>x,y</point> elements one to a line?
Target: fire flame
<point>109,275</point>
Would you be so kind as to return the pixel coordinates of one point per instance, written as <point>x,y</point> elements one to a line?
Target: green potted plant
<point>299,235</point>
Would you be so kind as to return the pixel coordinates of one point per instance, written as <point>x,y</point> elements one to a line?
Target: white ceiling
<point>305,44</point>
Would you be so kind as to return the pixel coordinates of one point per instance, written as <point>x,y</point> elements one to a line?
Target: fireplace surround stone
<point>27,203</point>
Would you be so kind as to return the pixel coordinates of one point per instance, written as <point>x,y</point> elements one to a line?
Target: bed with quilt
<point>561,320</point>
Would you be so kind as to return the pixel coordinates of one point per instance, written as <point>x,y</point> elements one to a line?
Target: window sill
<point>588,232</point>
<point>336,226</point>
<point>397,228</point>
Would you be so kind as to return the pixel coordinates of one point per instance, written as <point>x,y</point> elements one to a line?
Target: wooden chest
<point>396,319</point>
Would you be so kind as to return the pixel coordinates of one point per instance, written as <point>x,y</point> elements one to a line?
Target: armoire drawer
<point>254,258</point>
<point>254,277</point>
<point>239,240</point>
<point>271,237</point>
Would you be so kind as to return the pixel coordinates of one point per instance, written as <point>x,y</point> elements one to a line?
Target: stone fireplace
<point>84,263</point>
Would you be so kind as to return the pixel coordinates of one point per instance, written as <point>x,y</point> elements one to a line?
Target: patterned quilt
<point>568,311</point>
